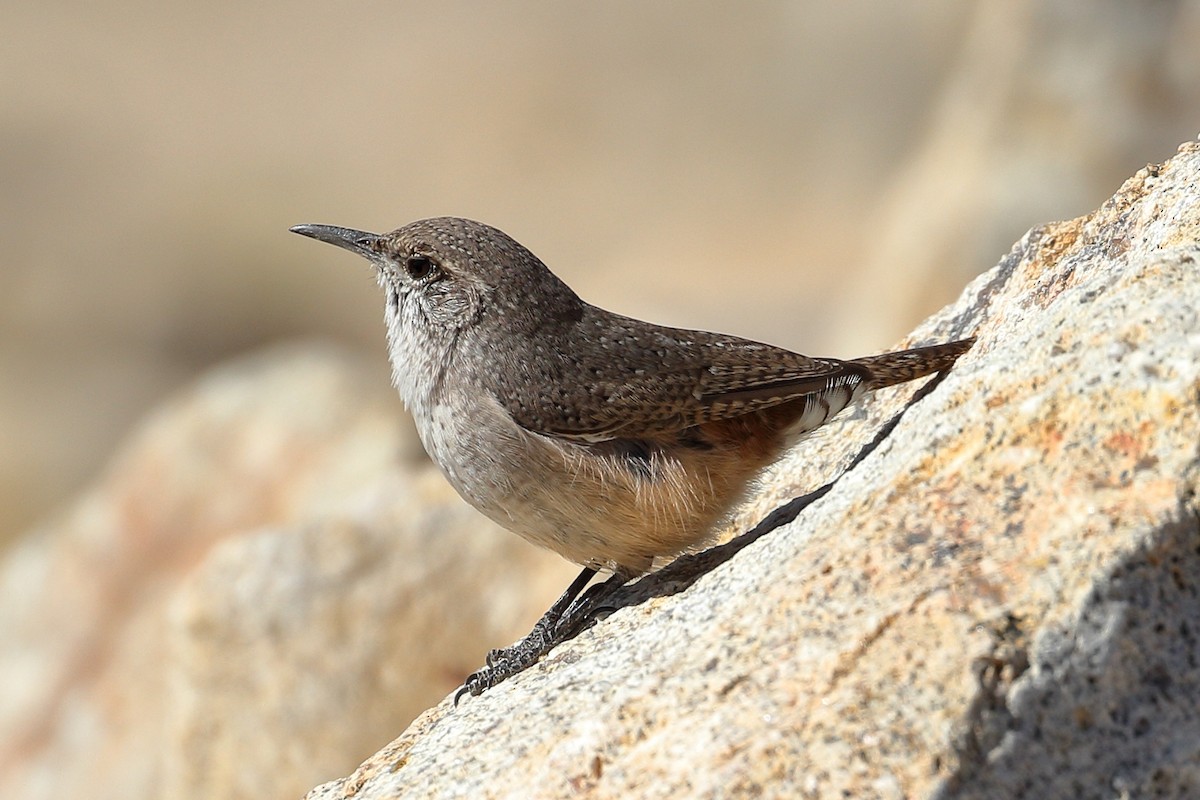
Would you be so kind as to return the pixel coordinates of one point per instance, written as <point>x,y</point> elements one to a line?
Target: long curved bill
<point>363,243</point>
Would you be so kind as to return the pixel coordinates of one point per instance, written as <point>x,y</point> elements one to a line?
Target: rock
<point>281,637</point>
<point>998,601</point>
<point>1042,112</point>
<point>268,557</point>
<point>1001,600</point>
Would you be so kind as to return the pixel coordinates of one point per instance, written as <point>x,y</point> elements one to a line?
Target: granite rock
<point>267,583</point>
<point>1000,600</point>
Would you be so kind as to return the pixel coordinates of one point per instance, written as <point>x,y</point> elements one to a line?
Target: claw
<point>550,630</point>
<point>475,684</point>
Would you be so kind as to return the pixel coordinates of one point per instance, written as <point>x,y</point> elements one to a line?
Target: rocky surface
<point>267,584</point>
<point>1000,601</point>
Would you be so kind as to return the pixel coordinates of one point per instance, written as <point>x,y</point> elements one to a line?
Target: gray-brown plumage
<point>607,439</point>
<point>610,440</point>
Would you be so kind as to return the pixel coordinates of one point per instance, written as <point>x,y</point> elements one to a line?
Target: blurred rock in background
<point>192,624</point>
<point>820,176</point>
<point>760,169</point>
<point>1046,107</point>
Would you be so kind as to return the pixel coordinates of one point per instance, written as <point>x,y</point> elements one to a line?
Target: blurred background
<point>821,176</point>
<point>818,175</point>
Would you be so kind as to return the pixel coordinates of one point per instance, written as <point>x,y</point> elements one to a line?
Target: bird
<point>612,441</point>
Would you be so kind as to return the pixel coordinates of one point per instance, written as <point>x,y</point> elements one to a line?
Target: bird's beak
<point>361,242</point>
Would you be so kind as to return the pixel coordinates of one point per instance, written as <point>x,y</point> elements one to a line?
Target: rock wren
<point>609,440</point>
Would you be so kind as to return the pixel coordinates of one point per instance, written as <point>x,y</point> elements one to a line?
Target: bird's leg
<point>584,610</point>
<point>547,632</point>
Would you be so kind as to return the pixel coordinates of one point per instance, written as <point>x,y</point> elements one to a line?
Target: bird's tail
<point>888,369</point>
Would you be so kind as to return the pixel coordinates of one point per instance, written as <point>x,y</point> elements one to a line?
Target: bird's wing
<point>649,381</point>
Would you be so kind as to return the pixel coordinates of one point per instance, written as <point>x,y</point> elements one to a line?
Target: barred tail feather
<point>888,369</point>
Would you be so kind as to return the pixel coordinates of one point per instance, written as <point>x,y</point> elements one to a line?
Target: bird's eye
<point>419,267</point>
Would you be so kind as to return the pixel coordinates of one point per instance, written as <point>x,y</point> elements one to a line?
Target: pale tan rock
<point>296,649</point>
<point>1046,108</point>
<point>1000,601</point>
<point>268,558</point>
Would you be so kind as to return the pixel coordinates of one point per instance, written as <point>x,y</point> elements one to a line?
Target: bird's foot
<point>566,618</point>
<point>505,662</point>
